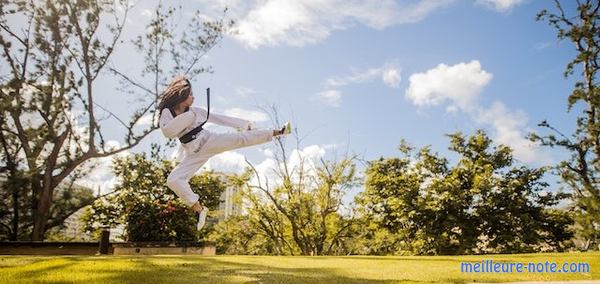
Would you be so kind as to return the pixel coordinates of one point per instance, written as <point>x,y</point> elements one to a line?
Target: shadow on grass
<point>213,270</point>
<point>193,269</point>
<point>36,269</point>
<point>395,258</point>
<point>182,270</point>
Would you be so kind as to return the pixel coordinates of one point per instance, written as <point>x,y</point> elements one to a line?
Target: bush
<point>160,222</point>
<point>150,211</point>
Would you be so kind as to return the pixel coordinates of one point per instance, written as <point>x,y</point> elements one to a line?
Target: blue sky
<point>361,75</point>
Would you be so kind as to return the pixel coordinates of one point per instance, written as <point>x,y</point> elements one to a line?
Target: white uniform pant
<point>208,144</point>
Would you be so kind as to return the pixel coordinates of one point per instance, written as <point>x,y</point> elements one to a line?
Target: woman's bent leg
<point>178,179</point>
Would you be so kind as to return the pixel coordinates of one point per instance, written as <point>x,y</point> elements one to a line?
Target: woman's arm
<point>172,127</point>
<point>223,120</point>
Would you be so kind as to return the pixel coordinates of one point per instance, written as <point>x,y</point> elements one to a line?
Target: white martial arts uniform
<point>206,144</point>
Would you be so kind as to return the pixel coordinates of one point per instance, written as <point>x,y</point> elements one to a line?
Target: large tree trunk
<point>38,227</point>
<point>41,211</point>
<point>40,220</point>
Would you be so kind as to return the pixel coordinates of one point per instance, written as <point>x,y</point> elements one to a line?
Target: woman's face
<point>188,102</point>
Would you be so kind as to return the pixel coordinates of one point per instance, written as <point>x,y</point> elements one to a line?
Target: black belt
<point>188,137</point>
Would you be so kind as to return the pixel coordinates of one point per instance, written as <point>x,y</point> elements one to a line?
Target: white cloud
<point>268,169</point>
<point>415,12</point>
<point>145,120</point>
<point>310,154</point>
<point>267,173</point>
<point>542,45</point>
<point>268,153</point>
<point>244,92</point>
<point>329,97</point>
<point>389,74</point>
<point>500,5</point>
<point>251,115</point>
<point>147,13</point>
<point>460,84</point>
<point>281,21</point>
<point>300,161</point>
<point>391,77</point>
<point>510,129</point>
<point>229,162</point>
<point>356,77</point>
<point>299,23</point>
<point>223,99</point>
<point>101,177</point>
<point>332,146</point>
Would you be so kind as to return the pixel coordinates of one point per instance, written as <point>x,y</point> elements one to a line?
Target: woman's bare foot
<point>197,207</point>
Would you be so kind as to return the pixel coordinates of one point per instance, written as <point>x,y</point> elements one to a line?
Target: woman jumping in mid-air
<point>178,118</point>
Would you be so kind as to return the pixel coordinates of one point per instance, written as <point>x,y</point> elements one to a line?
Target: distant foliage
<point>482,204</point>
<point>236,235</point>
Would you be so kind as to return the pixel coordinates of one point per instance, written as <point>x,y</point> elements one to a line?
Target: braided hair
<point>179,90</point>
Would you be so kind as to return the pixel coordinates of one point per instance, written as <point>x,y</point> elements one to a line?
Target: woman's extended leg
<point>221,142</point>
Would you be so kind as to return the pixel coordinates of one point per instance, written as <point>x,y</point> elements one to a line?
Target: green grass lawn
<point>277,269</point>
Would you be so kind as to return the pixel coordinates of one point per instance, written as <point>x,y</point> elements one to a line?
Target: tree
<point>68,198</point>
<point>367,237</point>
<point>142,202</point>
<point>13,181</point>
<point>482,204</point>
<point>12,220</point>
<point>54,60</point>
<point>292,208</point>
<point>301,214</point>
<point>236,235</point>
<point>581,172</point>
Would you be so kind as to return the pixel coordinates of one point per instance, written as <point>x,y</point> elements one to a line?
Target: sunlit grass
<point>275,269</point>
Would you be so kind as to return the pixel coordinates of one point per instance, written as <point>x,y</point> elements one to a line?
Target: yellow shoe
<point>287,128</point>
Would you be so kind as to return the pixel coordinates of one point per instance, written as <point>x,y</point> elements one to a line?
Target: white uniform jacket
<point>175,127</point>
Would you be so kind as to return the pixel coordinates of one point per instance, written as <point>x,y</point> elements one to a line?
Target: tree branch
<point>131,81</point>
